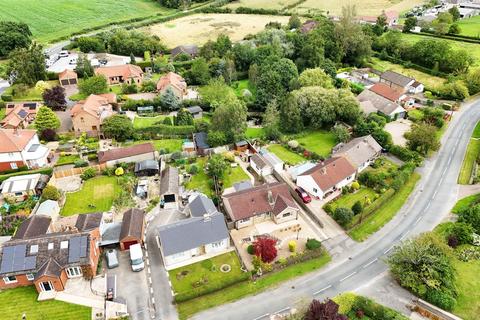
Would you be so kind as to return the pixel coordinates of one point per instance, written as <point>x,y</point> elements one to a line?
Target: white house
<point>19,148</point>
<point>327,177</point>
<point>271,159</point>
<point>361,151</point>
<point>260,166</point>
<point>202,236</point>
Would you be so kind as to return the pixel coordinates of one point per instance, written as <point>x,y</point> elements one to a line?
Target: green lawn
<point>234,175</point>
<point>468,285</point>
<point>466,202</point>
<point>286,155</point>
<point>99,192</point>
<point>473,150</point>
<point>170,145</point>
<point>320,142</point>
<point>385,213</point>
<point>31,94</point>
<point>2,113</point>
<point>252,133</point>
<point>183,279</point>
<point>348,200</point>
<point>241,85</point>
<point>67,159</point>
<point>51,19</point>
<point>240,290</point>
<point>15,302</point>
<point>146,122</point>
<point>470,27</point>
<point>476,131</point>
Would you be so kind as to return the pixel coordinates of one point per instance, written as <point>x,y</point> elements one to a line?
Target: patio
<point>284,233</point>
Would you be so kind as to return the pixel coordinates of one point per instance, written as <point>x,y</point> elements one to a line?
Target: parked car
<point>112,258</point>
<point>304,195</point>
<point>63,54</point>
<point>111,287</point>
<point>136,257</point>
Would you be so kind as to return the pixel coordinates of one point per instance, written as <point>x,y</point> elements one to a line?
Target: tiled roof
<point>172,79</point>
<point>380,103</point>
<point>386,92</point>
<point>87,222</point>
<point>132,224</point>
<point>120,153</point>
<point>15,140</point>
<point>396,78</point>
<point>332,171</point>
<point>67,74</point>
<point>34,226</point>
<point>126,71</point>
<point>95,105</point>
<point>359,150</point>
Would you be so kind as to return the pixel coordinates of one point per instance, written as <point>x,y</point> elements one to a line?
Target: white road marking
<point>435,194</point>
<point>370,263</point>
<point>321,290</point>
<point>282,310</point>
<point>404,236</point>
<point>388,250</point>
<point>345,278</point>
<point>262,316</point>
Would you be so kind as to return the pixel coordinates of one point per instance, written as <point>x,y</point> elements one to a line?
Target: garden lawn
<point>385,213</point>
<point>206,269</point>
<point>468,285</point>
<point>31,94</point>
<point>252,133</point>
<point>234,175</point>
<point>473,150</point>
<point>348,200</point>
<point>146,122</point>
<point>320,142</point>
<point>286,155</point>
<point>99,192</point>
<point>241,85</point>
<point>15,302</point>
<point>51,19</point>
<point>170,145</point>
<point>470,27</point>
<point>240,290</point>
<point>67,159</point>
<point>200,181</point>
<point>466,202</point>
<point>2,113</point>
<point>476,131</point>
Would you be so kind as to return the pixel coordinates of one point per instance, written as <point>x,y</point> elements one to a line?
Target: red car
<point>304,195</point>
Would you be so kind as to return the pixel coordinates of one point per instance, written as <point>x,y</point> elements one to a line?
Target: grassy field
<point>385,213</point>
<point>200,28</point>
<point>468,285</point>
<point>146,122</point>
<point>348,200</point>
<point>97,194</point>
<point>184,278</point>
<point>286,155</point>
<point>428,80</point>
<point>15,302</point>
<point>235,292</point>
<point>466,202</point>
<point>70,159</point>
<point>470,27</point>
<point>261,4</point>
<point>320,142</point>
<point>169,145</point>
<point>364,7</point>
<point>51,19</point>
<point>473,150</point>
<point>254,133</point>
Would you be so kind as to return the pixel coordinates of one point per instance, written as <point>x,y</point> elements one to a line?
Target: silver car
<point>112,258</point>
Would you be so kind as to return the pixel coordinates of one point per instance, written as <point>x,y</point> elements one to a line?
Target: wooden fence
<point>57,174</point>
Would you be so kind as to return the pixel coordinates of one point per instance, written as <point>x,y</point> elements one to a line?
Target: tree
<point>471,216</point>
<point>423,265</point>
<point>231,119</point>
<point>291,115</point>
<point>13,35</point>
<point>265,249</point>
<point>118,127</point>
<point>169,100</point>
<point>148,86</point>
<point>380,24</point>
<point>216,166</point>
<point>126,42</point>
<point>454,29</point>
<point>472,80</point>
<point>216,92</point>
<point>294,22</point>
<point>243,56</point>
<point>46,119</point>
<point>357,207</point>
<point>132,59</point>
<point>90,44</point>
<point>315,77</point>
<point>271,121</point>
<point>199,72</point>
<point>454,12</point>
<point>343,216</point>
<point>409,24</point>
<point>463,232</point>
<point>129,88</point>
<point>93,85</point>
<point>27,65</point>
<point>55,98</point>
<point>84,68</point>
<point>223,45</point>
<point>341,133</point>
<point>422,138</point>
<point>442,22</point>
<point>455,90</point>
<point>216,138</point>
<point>327,310</point>
<point>184,118</point>
<point>50,193</point>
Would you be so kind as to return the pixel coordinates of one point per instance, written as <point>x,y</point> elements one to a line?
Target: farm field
<point>428,80</point>
<point>51,19</point>
<point>200,28</point>
<point>261,4</point>
<point>364,7</point>
<point>470,27</point>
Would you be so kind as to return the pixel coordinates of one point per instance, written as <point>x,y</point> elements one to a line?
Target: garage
<point>133,226</point>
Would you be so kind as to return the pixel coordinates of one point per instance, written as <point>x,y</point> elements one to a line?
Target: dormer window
<point>50,246</point>
<point>64,245</point>
<point>34,249</point>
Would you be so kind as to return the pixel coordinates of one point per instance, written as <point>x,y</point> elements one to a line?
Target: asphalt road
<point>357,266</point>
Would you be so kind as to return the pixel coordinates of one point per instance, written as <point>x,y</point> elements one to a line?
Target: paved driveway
<point>132,287</point>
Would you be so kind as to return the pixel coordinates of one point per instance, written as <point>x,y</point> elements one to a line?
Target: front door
<point>46,286</point>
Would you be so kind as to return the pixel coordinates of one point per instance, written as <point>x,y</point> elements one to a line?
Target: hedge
<point>405,154</point>
<point>47,171</point>
<point>386,196</point>
<point>409,64</point>
<point>163,129</point>
<point>452,37</point>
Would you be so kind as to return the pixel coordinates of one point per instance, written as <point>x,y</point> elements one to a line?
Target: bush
<point>441,299</point>
<point>357,207</point>
<point>355,185</point>
<point>80,163</point>
<point>313,244</point>
<point>463,232</point>
<point>375,311</point>
<point>193,169</point>
<point>292,246</point>
<point>251,249</point>
<point>345,302</point>
<point>50,193</point>
<point>343,216</point>
<point>88,174</point>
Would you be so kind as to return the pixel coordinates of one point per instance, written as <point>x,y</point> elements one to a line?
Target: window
<point>74,272</point>
<point>18,194</point>
<point>64,245</point>
<point>245,220</point>
<point>13,165</point>
<point>286,214</point>
<point>50,246</point>
<point>10,279</point>
<point>33,248</point>
<point>217,244</point>
<point>315,190</point>
<point>348,178</point>
<point>30,276</point>
<point>81,119</point>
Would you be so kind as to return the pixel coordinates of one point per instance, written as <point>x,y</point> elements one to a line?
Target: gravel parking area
<point>397,129</point>
<point>68,184</point>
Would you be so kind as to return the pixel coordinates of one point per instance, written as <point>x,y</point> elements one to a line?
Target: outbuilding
<point>169,187</point>
<point>147,168</point>
<point>133,226</point>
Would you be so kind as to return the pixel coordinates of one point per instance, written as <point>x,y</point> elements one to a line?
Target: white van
<point>136,257</point>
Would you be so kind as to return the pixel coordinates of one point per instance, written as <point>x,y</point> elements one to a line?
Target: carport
<point>169,187</point>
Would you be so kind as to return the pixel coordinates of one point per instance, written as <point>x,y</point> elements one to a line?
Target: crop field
<point>364,7</point>
<point>262,4</point>
<point>51,19</point>
<point>199,28</point>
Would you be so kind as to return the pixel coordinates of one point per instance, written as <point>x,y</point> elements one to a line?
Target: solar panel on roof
<point>14,259</point>
<point>74,250</point>
<point>83,247</point>
<point>31,106</point>
<point>22,113</point>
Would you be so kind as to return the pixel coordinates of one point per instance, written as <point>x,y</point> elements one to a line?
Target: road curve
<point>429,203</point>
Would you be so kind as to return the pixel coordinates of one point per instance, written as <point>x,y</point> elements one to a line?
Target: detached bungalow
<point>327,177</point>
<point>19,115</point>
<point>88,115</point>
<point>127,73</point>
<point>190,50</point>
<point>361,152</point>
<point>400,82</point>
<point>135,153</point>
<point>375,98</point>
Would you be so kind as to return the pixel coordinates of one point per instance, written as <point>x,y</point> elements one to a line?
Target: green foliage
<point>345,302</point>
<point>471,215</point>
<point>127,42</point>
<point>50,192</point>
<point>93,85</point>
<point>294,22</point>
<point>341,133</point>
<point>170,101</point>
<point>46,119</point>
<point>90,44</point>
<point>422,138</point>
<point>292,246</point>
<point>375,311</point>
<point>148,86</point>
<point>13,35</point>
<point>455,90</point>
<point>216,138</point>
<point>216,166</point>
<point>216,92</point>
<point>88,174</point>
<point>343,216</point>
<point>199,72</point>
<point>84,68</point>
<point>315,78</point>
<point>441,299</point>
<point>463,232</point>
<point>27,65</point>
<point>357,207</point>
<point>409,24</point>
<point>251,249</point>
<point>472,80</point>
<point>118,127</point>
<point>129,88</point>
<point>230,118</point>
<point>271,122</point>
<point>184,117</point>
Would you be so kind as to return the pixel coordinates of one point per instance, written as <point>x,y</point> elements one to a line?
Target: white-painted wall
<point>210,248</point>
<point>137,158</point>
<point>308,184</point>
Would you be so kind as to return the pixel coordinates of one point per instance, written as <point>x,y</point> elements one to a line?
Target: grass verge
<point>385,213</point>
<point>473,150</point>
<point>466,202</point>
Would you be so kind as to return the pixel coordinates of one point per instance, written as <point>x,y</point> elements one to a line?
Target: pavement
<point>359,263</point>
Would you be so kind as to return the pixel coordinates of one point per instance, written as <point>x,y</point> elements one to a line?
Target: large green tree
<point>27,65</point>
<point>118,127</point>
<point>215,92</point>
<point>13,35</point>
<point>46,119</point>
<point>93,85</point>
<point>199,72</point>
<point>315,78</point>
<point>84,68</point>
<point>216,166</point>
<point>271,121</point>
<point>422,138</point>
<point>231,118</point>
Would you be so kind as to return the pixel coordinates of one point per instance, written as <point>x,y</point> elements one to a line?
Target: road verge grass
<point>468,165</point>
<point>385,213</point>
<point>466,202</point>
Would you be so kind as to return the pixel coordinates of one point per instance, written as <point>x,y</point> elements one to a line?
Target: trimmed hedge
<point>378,203</point>
<point>47,171</point>
<point>375,311</point>
<point>405,154</point>
<point>452,37</point>
<point>166,130</point>
<point>409,64</point>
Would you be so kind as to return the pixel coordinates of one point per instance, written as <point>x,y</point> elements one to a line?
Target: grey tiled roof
<point>201,205</point>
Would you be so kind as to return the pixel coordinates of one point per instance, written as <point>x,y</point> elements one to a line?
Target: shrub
<point>193,169</point>
<point>251,249</point>
<point>50,193</point>
<point>119,171</point>
<point>80,163</point>
<point>463,232</point>
<point>292,246</point>
<point>355,185</point>
<point>357,207</point>
<point>293,144</point>
<point>313,244</point>
<point>88,174</point>
<point>345,302</point>
<point>441,299</point>
<point>343,216</point>
<point>452,241</point>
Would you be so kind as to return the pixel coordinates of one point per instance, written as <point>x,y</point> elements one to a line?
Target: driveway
<point>132,287</point>
<point>398,129</point>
